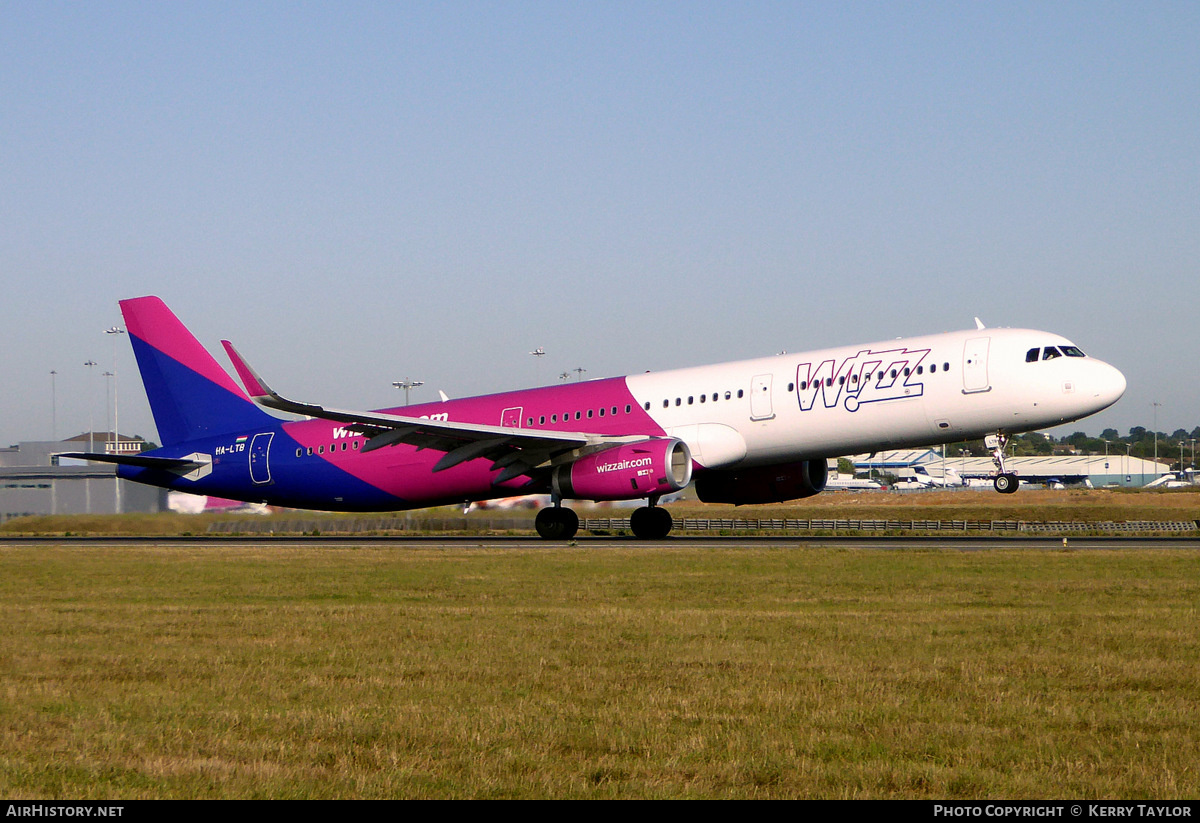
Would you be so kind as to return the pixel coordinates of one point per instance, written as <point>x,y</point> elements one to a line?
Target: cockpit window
<point>1031,356</point>
<point>1049,353</point>
<point>1072,351</point>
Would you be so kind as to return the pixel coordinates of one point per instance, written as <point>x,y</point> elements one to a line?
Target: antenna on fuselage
<point>979,324</point>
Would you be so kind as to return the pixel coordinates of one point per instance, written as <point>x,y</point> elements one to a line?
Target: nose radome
<point>1110,384</point>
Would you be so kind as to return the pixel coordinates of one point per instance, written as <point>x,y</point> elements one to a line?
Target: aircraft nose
<point>1110,384</point>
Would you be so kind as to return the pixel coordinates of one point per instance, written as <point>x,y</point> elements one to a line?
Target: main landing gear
<point>1005,482</point>
<point>556,523</point>
<point>650,522</point>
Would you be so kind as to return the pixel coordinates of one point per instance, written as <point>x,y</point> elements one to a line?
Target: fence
<point>367,525</point>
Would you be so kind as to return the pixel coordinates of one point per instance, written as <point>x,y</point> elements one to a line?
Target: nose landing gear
<point>1005,482</point>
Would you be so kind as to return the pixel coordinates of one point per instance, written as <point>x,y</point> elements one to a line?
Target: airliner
<point>745,432</point>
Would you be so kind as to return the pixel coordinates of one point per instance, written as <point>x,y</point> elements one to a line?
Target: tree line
<point>1140,442</point>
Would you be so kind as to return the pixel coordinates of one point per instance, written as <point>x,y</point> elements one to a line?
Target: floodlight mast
<point>407,385</point>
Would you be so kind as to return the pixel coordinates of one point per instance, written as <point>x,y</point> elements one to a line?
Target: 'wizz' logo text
<point>867,377</point>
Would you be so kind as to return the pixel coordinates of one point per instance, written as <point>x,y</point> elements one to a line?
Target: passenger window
<point>601,411</point>
<point>932,368</point>
<point>741,394</point>
<point>727,395</point>
<point>355,447</point>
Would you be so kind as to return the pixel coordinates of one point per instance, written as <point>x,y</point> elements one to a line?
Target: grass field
<point>317,672</point>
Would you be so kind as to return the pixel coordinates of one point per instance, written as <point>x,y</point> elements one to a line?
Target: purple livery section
<point>407,472</point>
<point>747,432</point>
<point>248,454</point>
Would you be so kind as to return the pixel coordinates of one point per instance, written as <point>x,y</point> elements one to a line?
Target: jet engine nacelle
<point>764,484</point>
<point>626,472</point>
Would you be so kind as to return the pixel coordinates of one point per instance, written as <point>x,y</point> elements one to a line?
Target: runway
<point>526,543</point>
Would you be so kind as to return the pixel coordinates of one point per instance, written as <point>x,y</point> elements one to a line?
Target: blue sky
<point>357,192</point>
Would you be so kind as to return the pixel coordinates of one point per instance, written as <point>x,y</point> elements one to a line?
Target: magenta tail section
<point>190,395</point>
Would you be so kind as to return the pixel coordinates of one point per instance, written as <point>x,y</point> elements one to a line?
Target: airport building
<point>34,479</point>
<point>929,467</point>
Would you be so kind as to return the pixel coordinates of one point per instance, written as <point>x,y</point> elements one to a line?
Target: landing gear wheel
<point>650,523</point>
<point>556,523</point>
<point>1006,483</point>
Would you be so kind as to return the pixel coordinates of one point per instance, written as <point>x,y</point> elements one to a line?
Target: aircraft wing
<point>515,451</point>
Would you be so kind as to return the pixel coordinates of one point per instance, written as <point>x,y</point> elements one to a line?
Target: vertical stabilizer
<point>190,395</point>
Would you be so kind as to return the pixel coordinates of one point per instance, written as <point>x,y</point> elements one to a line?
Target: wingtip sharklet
<point>255,387</point>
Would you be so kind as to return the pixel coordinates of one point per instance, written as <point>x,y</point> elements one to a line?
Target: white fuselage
<point>909,392</point>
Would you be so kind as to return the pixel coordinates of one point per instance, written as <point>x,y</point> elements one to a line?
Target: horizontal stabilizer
<point>164,463</point>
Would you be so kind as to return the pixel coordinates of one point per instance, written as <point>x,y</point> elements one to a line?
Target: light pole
<point>114,332</point>
<point>407,385</point>
<point>1156,404</point>
<point>53,408</point>
<point>87,483</point>
<point>537,355</point>
<point>108,449</point>
<point>91,389</point>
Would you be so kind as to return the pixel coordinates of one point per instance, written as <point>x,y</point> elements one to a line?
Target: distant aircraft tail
<point>190,395</point>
